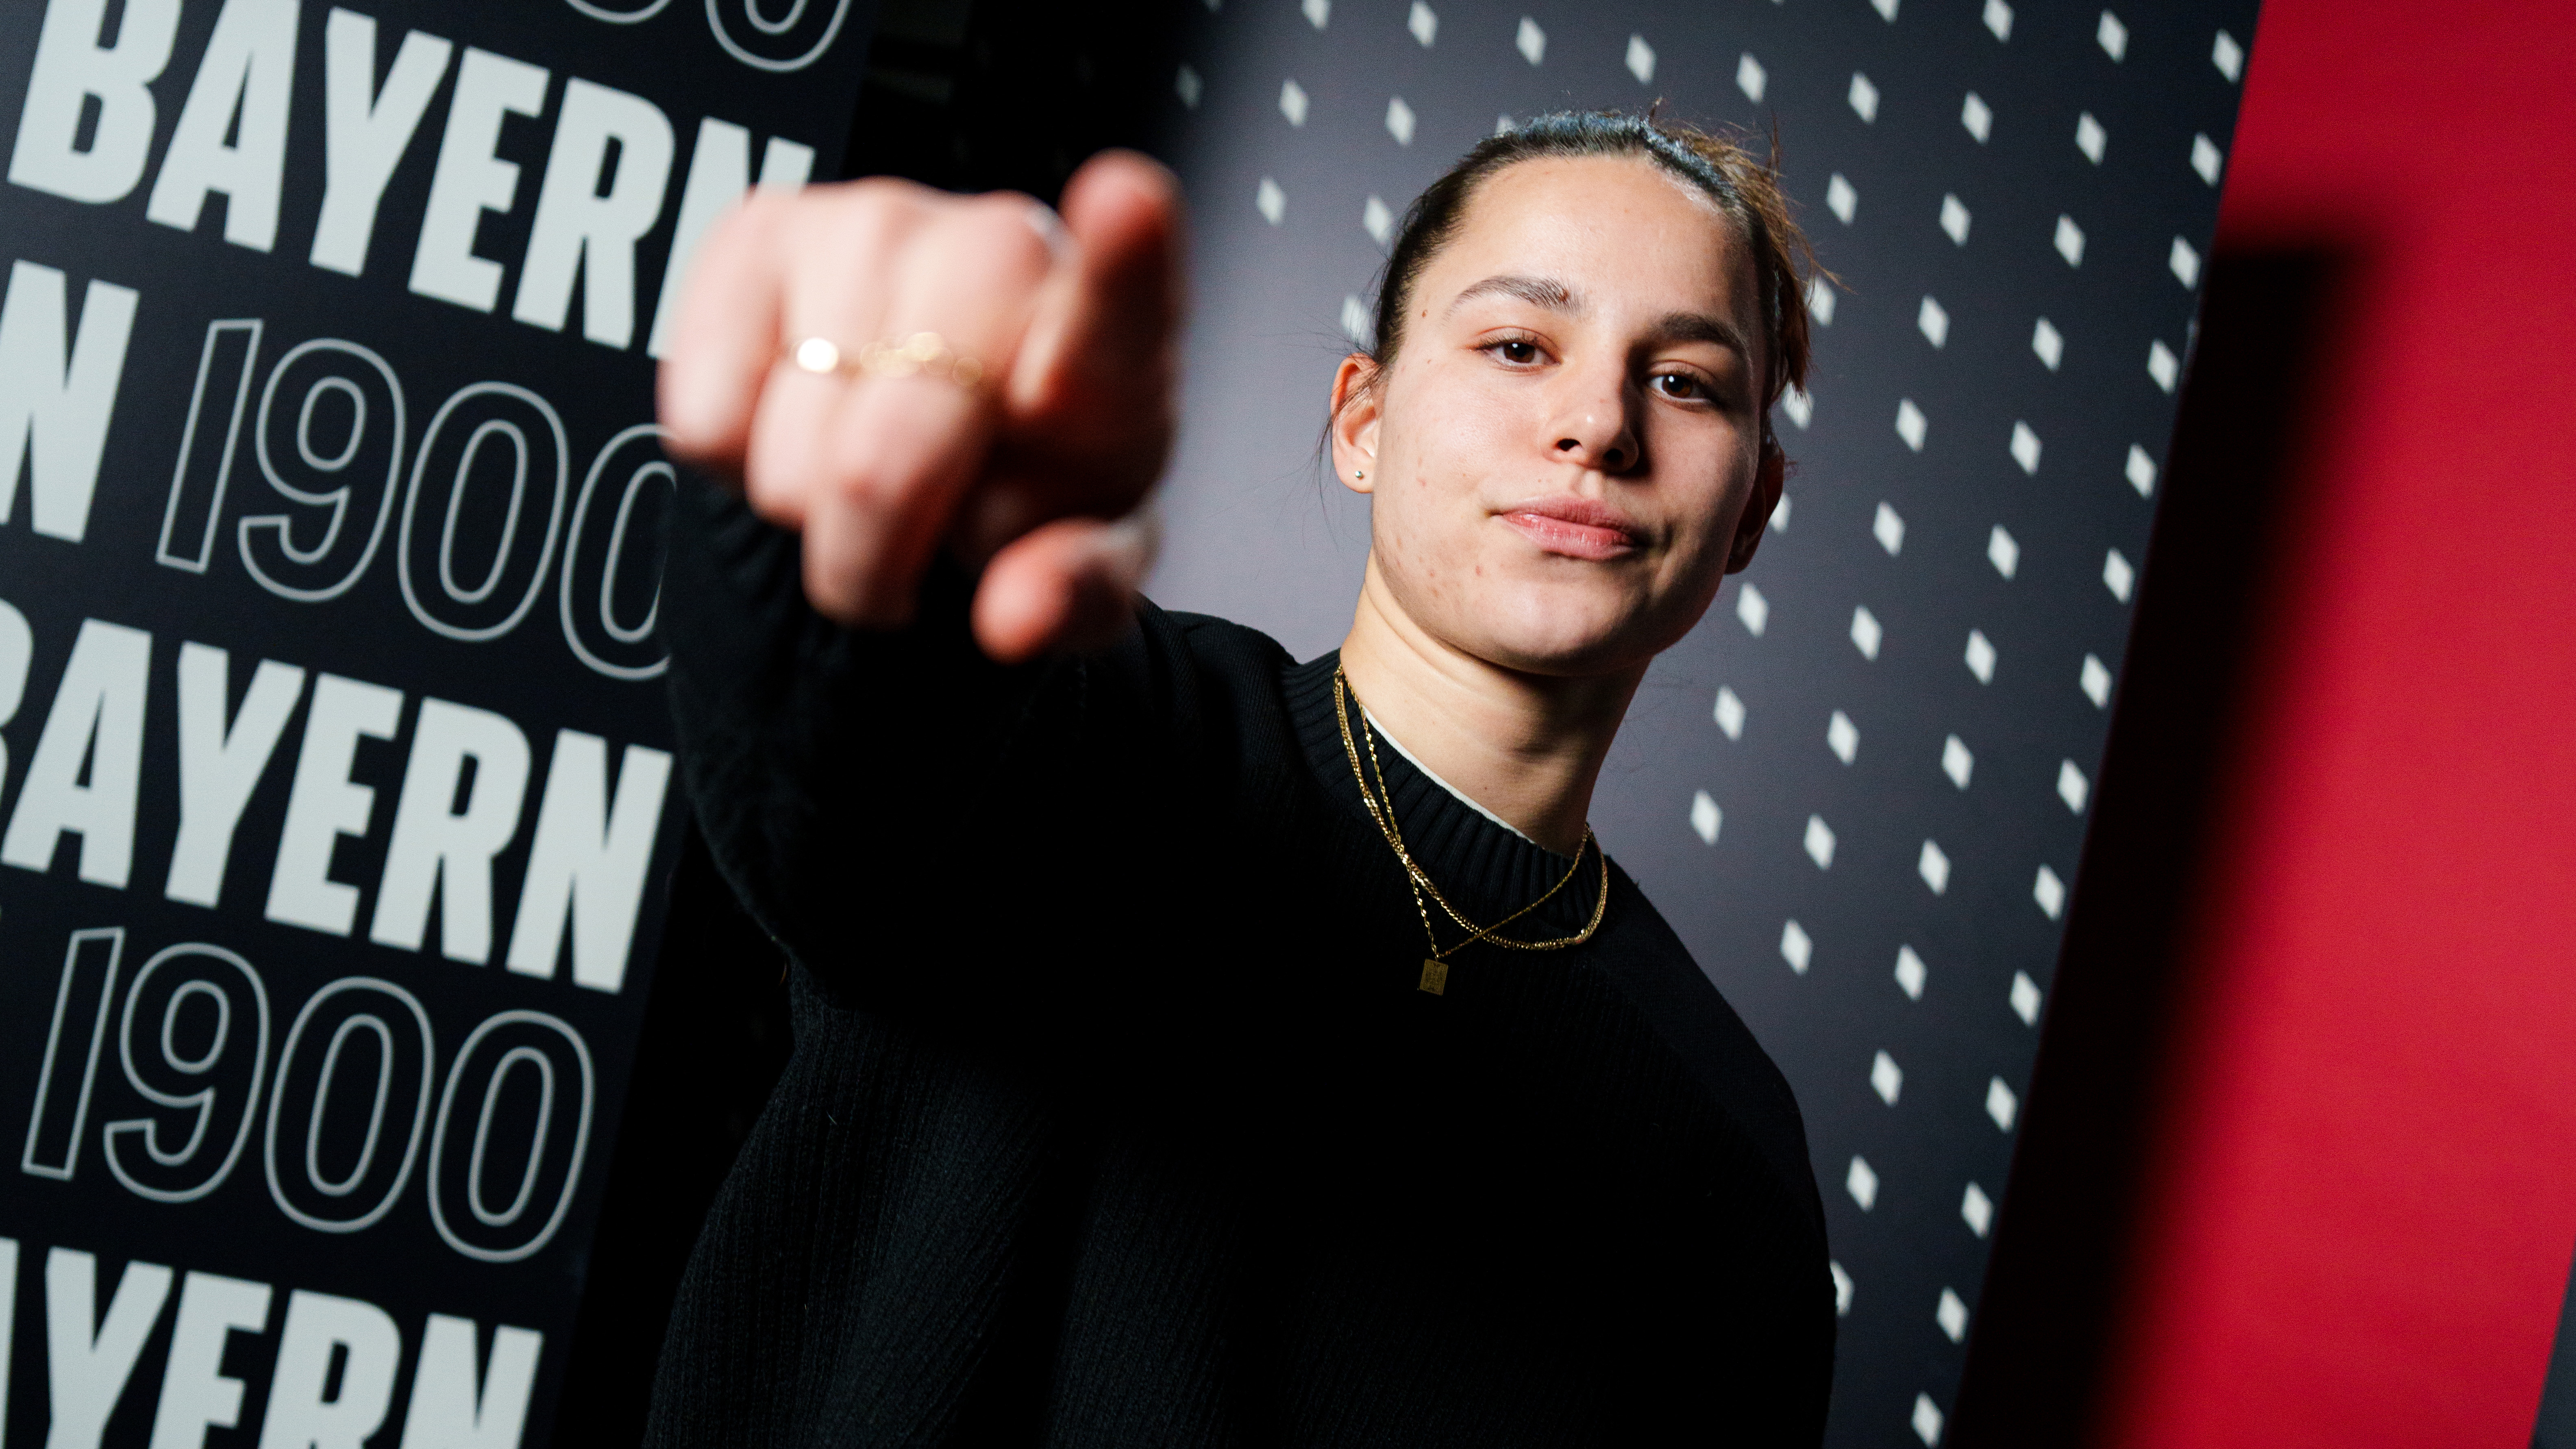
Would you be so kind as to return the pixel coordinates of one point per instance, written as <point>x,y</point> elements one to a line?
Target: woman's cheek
<point>1483,416</point>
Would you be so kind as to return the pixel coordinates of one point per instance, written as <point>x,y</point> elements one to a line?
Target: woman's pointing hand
<point>1024,437</point>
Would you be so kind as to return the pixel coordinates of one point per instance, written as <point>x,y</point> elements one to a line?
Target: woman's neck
<point>1527,747</point>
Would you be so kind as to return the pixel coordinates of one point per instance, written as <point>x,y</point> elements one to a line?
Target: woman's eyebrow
<point>1556,296</point>
<point>1546,292</point>
<point>1701,327</point>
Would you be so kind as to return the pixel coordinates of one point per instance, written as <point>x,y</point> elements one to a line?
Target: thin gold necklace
<point>1381,809</point>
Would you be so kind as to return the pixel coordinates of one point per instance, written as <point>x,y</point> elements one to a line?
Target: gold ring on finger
<point>923,354</point>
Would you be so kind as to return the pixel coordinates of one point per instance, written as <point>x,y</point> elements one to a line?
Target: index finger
<point>1111,317</point>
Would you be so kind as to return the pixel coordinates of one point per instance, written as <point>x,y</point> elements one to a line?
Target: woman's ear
<point>1356,408</point>
<point>1756,519</point>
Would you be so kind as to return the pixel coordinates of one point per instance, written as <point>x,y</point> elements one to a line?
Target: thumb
<point>1070,584</point>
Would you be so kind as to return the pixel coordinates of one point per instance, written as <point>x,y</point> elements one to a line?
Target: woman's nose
<point>1610,458</point>
<point>1594,427</point>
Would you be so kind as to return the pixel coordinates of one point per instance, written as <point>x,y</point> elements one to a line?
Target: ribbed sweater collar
<point>1486,869</point>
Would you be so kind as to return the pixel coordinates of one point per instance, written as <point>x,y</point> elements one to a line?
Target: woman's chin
<point>1559,618</point>
<point>1567,642</point>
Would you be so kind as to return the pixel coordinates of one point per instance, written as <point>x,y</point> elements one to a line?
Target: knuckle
<point>773,497</point>
<point>760,215</point>
<point>879,490</point>
<point>778,468</point>
<point>697,431</point>
<point>874,193</point>
<point>856,218</point>
<point>997,228</point>
<point>862,229</point>
<point>688,437</point>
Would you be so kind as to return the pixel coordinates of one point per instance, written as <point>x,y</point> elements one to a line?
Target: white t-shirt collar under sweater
<point>1434,777</point>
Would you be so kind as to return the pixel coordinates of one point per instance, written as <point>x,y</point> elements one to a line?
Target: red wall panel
<point>2363,1196</point>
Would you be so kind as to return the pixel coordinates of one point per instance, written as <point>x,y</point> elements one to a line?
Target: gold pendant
<point>1435,975</point>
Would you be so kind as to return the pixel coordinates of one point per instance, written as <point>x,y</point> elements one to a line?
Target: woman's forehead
<point>1604,223</point>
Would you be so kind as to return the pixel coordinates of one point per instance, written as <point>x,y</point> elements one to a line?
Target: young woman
<point>1197,1047</point>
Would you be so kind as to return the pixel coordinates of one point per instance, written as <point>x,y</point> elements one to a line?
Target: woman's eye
<point>1517,350</point>
<point>1680,386</point>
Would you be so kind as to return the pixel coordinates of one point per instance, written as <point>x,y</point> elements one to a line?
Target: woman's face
<point>1567,451</point>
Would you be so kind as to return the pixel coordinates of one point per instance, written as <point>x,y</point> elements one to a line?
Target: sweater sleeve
<point>815,756</point>
<point>865,792</point>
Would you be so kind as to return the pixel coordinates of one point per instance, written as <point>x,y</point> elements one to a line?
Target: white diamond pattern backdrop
<point>2062,244</point>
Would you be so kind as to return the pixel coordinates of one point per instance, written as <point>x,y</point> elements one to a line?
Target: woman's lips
<point>1575,527</point>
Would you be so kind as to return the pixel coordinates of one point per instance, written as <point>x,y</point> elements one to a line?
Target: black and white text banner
<point>336,793</point>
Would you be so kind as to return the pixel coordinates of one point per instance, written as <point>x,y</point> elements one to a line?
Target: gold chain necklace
<point>1381,809</point>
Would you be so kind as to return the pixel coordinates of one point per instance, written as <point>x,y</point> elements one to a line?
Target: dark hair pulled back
<point>1744,186</point>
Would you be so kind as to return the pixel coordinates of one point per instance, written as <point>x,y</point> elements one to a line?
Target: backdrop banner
<point>336,793</point>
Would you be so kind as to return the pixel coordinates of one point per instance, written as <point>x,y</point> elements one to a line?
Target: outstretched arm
<point>860,639</point>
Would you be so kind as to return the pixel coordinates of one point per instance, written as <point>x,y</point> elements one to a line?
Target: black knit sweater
<point>1115,1116</point>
